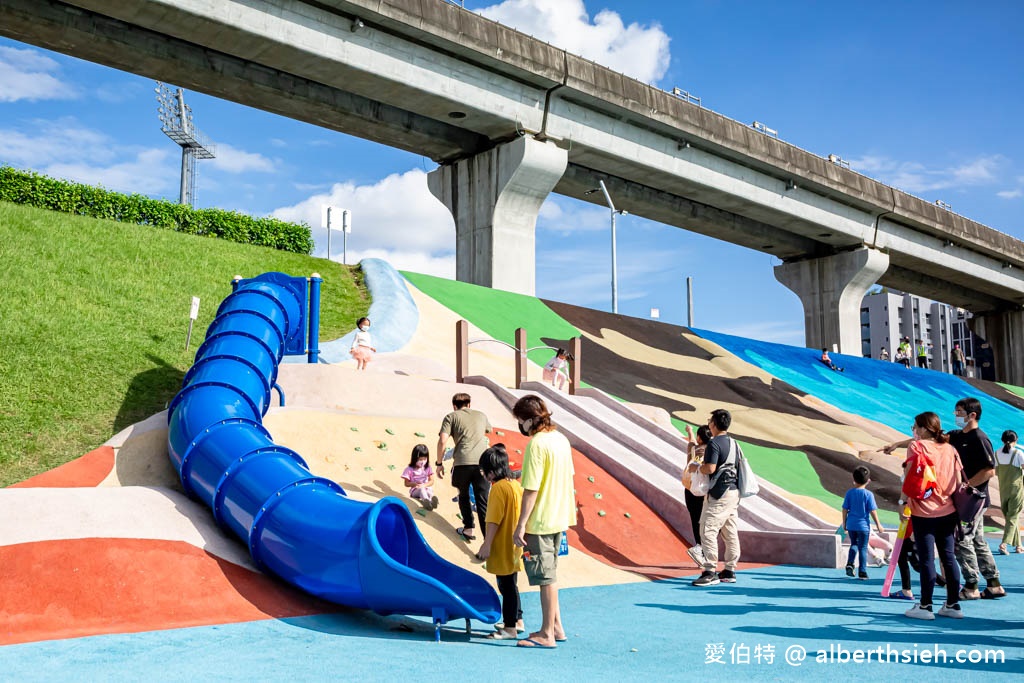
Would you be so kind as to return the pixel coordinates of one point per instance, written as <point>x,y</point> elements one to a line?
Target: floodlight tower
<point>176,123</point>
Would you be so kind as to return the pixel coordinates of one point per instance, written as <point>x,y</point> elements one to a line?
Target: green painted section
<point>498,313</point>
<point>1012,389</point>
<point>793,472</point>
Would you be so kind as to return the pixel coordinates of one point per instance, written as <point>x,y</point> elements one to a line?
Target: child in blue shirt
<point>858,506</point>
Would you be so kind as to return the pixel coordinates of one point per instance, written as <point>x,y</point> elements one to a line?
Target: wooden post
<point>520,357</point>
<point>461,350</point>
<point>575,348</point>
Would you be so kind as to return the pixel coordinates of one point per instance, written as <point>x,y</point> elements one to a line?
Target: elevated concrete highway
<point>511,119</point>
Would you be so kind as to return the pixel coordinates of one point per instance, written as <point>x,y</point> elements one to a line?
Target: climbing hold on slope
<point>391,467</point>
<point>499,432</point>
<point>354,429</point>
<point>519,451</point>
<point>422,512</point>
<point>368,469</point>
<point>382,446</point>
<point>626,515</point>
<point>420,434</point>
<point>358,449</point>
<point>601,513</point>
<point>590,479</point>
<point>598,496</point>
<point>389,431</point>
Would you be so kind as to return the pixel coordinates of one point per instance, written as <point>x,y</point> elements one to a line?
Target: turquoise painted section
<point>648,631</point>
<point>878,390</point>
<point>393,314</point>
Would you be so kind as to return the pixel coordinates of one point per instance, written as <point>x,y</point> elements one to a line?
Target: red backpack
<point>920,481</point>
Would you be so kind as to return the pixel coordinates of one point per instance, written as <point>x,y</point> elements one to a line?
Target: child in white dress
<point>362,346</point>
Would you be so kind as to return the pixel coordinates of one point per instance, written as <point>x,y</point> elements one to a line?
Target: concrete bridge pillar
<point>495,197</point>
<point>1004,331</point>
<point>831,289</point>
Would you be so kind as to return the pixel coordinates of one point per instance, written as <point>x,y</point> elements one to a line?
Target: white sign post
<point>192,315</point>
<point>345,227</point>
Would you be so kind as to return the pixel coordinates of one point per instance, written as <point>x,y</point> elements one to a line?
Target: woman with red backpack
<point>932,475</point>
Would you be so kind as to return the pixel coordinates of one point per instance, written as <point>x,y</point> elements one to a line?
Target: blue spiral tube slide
<point>298,526</point>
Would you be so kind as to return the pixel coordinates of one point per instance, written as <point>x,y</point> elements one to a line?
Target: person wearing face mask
<point>979,462</point>
<point>548,509</point>
<point>934,516</point>
<point>362,346</point>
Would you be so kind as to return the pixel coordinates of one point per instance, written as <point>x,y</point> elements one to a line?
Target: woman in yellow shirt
<point>504,558</point>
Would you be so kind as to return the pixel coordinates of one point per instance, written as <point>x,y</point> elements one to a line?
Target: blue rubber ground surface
<point>878,390</point>
<point>674,628</point>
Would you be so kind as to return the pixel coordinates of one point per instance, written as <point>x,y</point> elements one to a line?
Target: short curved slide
<point>300,527</point>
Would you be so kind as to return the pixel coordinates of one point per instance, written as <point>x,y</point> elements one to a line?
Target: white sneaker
<point>918,612</point>
<point>696,553</point>
<point>951,611</point>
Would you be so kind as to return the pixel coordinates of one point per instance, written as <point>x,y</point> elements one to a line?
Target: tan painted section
<point>40,514</point>
<point>142,460</point>
<point>341,388</point>
<point>327,442</point>
<point>324,403</point>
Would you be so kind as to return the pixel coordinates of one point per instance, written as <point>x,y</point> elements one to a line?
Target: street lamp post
<point>615,265</point>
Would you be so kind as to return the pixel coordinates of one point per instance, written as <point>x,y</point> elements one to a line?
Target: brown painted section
<point>623,376</point>
<point>996,391</point>
<point>74,588</point>
<point>84,472</point>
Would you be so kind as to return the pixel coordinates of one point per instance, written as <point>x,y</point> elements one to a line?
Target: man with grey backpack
<point>723,461</point>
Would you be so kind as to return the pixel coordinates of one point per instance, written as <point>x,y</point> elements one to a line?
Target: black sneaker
<point>727,576</point>
<point>863,576</point>
<point>706,579</point>
<point>849,570</point>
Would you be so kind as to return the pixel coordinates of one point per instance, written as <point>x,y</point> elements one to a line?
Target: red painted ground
<point>641,543</point>
<point>84,472</point>
<point>68,589</point>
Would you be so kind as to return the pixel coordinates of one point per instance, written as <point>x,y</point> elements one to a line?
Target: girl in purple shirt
<point>419,477</point>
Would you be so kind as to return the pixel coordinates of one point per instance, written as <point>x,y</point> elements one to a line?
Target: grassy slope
<point>95,315</point>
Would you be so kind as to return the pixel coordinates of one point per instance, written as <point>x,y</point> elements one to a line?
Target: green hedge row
<point>26,187</point>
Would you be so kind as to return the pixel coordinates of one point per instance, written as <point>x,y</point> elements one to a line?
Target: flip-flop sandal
<point>533,644</point>
<point>461,531</point>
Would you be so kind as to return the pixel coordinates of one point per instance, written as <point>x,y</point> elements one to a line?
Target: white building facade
<point>887,316</point>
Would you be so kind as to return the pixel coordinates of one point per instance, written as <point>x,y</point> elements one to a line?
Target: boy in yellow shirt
<point>504,558</point>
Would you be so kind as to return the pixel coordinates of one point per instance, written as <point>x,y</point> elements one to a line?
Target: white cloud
<point>233,160</point>
<point>442,265</point>
<point>27,74</point>
<point>63,148</point>
<point>914,176</point>
<point>397,214</point>
<point>150,172</point>
<point>635,50</point>
<point>1010,194</point>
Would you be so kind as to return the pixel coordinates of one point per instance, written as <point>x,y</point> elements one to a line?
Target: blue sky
<point>923,95</point>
